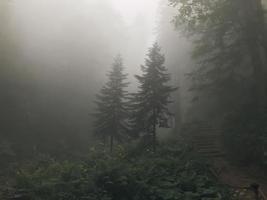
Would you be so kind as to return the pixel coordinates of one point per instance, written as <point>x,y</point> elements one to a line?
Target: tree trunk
<point>259,78</point>
<point>105,142</point>
<point>264,38</point>
<point>154,137</point>
<point>111,143</point>
<point>254,34</point>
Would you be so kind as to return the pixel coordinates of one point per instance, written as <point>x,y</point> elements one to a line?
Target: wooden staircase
<point>240,179</point>
<point>207,141</point>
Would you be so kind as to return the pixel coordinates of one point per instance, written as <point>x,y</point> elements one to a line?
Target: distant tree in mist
<point>230,46</point>
<point>49,70</point>
<point>150,103</point>
<point>176,49</point>
<point>112,105</point>
<point>231,51</point>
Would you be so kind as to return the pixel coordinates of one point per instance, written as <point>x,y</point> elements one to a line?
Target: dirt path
<point>207,142</point>
<point>240,177</point>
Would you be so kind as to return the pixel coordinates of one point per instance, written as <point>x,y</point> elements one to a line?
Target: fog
<point>133,99</point>
<point>60,52</point>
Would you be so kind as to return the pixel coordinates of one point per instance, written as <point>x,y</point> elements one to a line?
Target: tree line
<point>228,79</point>
<point>121,116</point>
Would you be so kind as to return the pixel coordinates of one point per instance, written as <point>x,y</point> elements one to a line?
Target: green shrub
<point>172,173</point>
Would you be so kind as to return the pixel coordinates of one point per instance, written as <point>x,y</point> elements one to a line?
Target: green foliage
<point>171,173</point>
<point>230,51</point>
<point>150,104</point>
<point>111,115</point>
<point>228,35</point>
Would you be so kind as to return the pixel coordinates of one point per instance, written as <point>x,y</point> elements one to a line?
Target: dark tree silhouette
<point>150,103</point>
<point>111,116</point>
<point>230,46</point>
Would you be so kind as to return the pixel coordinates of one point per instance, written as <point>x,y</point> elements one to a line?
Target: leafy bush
<point>172,173</point>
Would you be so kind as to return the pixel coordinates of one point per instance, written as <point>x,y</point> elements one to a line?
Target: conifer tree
<point>230,44</point>
<point>231,51</point>
<point>150,103</point>
<point>111,115</point>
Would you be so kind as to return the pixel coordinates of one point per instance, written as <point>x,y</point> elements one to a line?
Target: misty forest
<point>133,100</point>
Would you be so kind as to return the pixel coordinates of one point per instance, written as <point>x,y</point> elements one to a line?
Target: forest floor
<point>240,177</point>
<point>6,182</point>
<point>207,140</point>
<point>237,177</point>
<point>133,172</point>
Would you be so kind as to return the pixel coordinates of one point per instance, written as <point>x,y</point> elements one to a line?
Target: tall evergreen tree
<point>231,50</point>
<point>111,115</point>
<point>230,45</point>
<point>150,103</point>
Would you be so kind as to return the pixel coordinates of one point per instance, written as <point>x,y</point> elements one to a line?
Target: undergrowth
<point>174,172</point>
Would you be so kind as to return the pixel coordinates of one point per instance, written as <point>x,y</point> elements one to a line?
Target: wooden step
<point>209,130</point>
<point>206,133</point>
<point>202,141</point>
<point>205,138</point>
<point>209,145</point>
<point>210,149</point>
<point>214,155</point>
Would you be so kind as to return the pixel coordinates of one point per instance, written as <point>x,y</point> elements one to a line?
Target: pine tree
<point>150,103</point>
<point>111,115</point>
<point>231,51</point>
<point>230,44</point>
